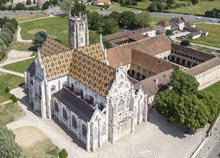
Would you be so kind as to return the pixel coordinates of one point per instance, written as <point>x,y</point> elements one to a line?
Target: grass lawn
<point>26,17</point>
<point>199,9</point>
<point>7,80</point>
<point>213,39</point>
<point>116,7</point>
<point>35,143</point>
<point>56,27</point>
<point>10,112</point>
<point>142,4</point>
<point>155,20</point>
<point>214,90</point>
<point>92,7</point>
<point>19,66</point>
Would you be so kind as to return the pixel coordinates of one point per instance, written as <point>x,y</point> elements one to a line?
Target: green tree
<point>5,37</point>
<point>78,8</point>
<point>128,19</point>
<point>143,19</point>
<point>194,2</point>
<point>39,39</point>
<point>8,147</point>
<point>28,2</point>
<point>107,44</point>
<point>63,153</point>
<point>95,21</point>
<point>66,5</point>
<point>3,48</point>
<point>10,26</point>
<point>183,83</point>
<point>170,2</point>
<point>20,6</point>
<point>45,5</point>
<point>110,26</point>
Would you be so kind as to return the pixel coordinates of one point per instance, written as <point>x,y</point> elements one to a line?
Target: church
<point>100,95</point>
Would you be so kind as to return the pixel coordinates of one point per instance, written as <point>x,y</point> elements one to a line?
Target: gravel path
<point>19,39</point>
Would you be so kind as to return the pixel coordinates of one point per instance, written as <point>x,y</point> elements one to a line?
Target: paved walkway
<point>6,102</point>
<point>11,72</point>
<point>19,39</point>
<point>35,19</point>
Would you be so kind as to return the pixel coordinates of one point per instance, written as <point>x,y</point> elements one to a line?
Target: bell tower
<point>78,34</point>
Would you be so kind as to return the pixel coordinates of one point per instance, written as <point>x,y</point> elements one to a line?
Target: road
<point>211,146</point>
<point>57,11</point>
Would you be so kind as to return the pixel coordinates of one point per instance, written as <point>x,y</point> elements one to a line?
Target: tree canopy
<point>185,105</point>
<point>8,147</point>
<point>39,39</point>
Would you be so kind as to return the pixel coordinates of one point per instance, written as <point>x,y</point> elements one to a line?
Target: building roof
<point>204,66</point>
<point>176,20</point>
<point>143,30</point>
<point>93,50</point>
<point>149,62</point>
<point>192,52</point>
<point>154,84</point>
<point>163,23</point>
<point>31,69</point>
<point>104,1</point>
<point>152,46</point>
<point>75,104</point>
<point>52,46</point>
<point>91,72</point>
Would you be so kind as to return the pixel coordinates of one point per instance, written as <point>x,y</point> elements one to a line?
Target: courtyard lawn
<point>19,66</point>
<point>8,80</point>
<point>92,7</point>
<point>198,9</point>
<point>10,112</point>
<point>56,27</point>
<point>213,38</point>
<point>35,143</point>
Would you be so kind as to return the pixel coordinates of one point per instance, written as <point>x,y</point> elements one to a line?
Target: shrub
<point>7,89</point>
<point>63,153</point>
<point>14,98</point>
<point>185,43</point>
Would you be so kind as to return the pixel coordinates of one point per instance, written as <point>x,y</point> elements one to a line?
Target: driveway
<point>154,139</point>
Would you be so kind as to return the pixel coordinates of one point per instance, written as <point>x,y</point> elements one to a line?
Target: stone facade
<point>78,33</point>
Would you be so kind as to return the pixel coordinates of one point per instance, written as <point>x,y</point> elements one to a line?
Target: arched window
<point>53,88</point>
<point>64,114</point>
<point>56,106</point>
<point>91,100</point>
<point>74,121</point>
<point>101,106</point>
<point>72,87</point>
<point>84,130</point>
<point>103,132</point>
<point>143,77</point>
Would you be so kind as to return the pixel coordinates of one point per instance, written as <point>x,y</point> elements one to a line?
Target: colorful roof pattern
<point>91,72</point>
<point>93,50</point>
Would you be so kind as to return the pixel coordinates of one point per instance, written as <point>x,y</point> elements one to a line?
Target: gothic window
<point>91,100</point>
<point>72,87</point>
<point>53,88</point>
<point>81,40</point>
<point>56,106</point>
<point>74,121</point>
<point>101,106</point>
<point>84,130</point>
<point>39,90</point>
<point>103,132</point>
<point>120,106</point>
<point>64,114</point>
<point>64,84</point>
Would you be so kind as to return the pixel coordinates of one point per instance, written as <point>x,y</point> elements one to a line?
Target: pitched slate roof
<point>204,66</point>
<point>176,20</point>
<point>152,46</point>
<point>91,72</point>
<point>75,104</point>
<point>31,69</point>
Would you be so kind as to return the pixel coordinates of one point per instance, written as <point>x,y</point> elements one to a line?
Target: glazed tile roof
<point>92,73</point>
<point>93,50</point>
<point>75,104</point>
<point>52,46</point>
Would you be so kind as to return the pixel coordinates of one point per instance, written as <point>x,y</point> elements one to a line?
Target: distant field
<point>213,39</point>
<point>56,27</point>
<point>26,17</point>
<point>116,7</point>
<point>199,9</point>
<point>19,66</point>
